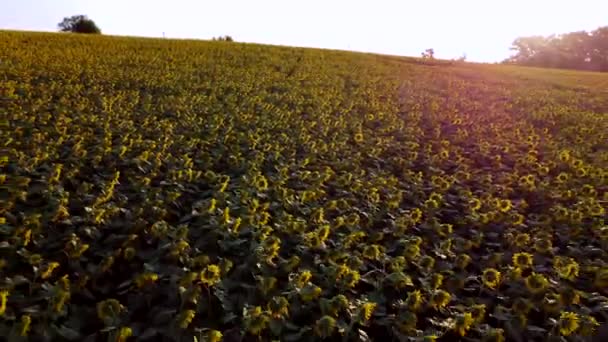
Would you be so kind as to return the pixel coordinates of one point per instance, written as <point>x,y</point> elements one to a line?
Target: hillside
<point>169,188</point>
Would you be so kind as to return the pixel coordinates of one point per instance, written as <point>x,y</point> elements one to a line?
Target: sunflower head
<point>490,278</point>
<point>366,310</point>
<point>522,260</point>
<point>412,251</point>
<point>278,307</point>
<point>310,292</point>
<point>543,245</point>
<point>568,271</point>
<point>255,320</point>
<point>569,296</point>
<point>568,323</point>
<point>436,280</point>
<point>426,263</point>
<point>325,327</point>
<point>211,275</point>
<point>521,240</point>
<point>588,325</point>
<point>478,312</point>
<point>214,336</point>
<point>536,283</point>
<point>440,299</point>
<point>462,261</point>
<point>414,300</point>
<point>463,323</point>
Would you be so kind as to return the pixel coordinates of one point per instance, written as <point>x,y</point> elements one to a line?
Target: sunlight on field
<point>169,189</point>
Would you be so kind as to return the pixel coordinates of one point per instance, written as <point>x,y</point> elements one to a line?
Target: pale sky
<point>483,29</point>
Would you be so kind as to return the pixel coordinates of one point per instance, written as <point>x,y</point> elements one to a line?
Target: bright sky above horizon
<point>481,29</point>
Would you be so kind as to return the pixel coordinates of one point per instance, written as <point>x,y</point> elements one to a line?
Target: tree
<point>223,38</point>
<point>575,50</point>
<point>78,24</point>
<point>428,54</point>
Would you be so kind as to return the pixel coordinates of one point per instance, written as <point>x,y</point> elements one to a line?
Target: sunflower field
<point>175,190</point>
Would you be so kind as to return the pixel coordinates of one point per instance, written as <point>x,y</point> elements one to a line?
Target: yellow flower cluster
<point>295,194</point>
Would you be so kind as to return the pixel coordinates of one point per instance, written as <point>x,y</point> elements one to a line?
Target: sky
<point>481,29</point>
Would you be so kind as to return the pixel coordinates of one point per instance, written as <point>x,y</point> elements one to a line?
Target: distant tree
<point>575,50</point>
<point>78,24</point>
<point>223,39</point>
<point>428,54</point>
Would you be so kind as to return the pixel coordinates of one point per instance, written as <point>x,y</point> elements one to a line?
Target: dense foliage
<point>78,24</point>
<point>576,50</point>
<point>156,188</point>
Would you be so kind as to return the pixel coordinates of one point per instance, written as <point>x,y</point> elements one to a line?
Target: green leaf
<point>276,327</point>
<point>67,333</point>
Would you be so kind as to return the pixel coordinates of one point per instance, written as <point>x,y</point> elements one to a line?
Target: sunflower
<point>569,271</point>
<point>302,278</point>
<point>49,270</point>
<point>358,137</point>
<point>440,298</point>
<point>588,325</point>
<point>474,204</point>
<point>569,296</point>
<point>414,300</point>
<point>24,326</point>
<point>3,299</point>
<point>210,275</point>
<point>416,214</point>
<point>397,263</point>
<point>522,260</point>
<point>568,323</point>
<point>478,312</point>
<point>261,183</point>
<point>516,219</point>
<point>521,240</point>
<point>255,320</point>
<point>564,156</point>
<point>504,205</point>
<point>462,261</point>
<point>214,336</point>
<point>542,245</point>
<point>536,283</point>
<point>339,303</point>
<point>431,204</point>
<point>310,292</point>
<point>463,323</point>
<point>411,252</point>
<point>372,252</point>
<point>123,334</point>
<point>278,307</point>
<point>490,278</point>
<point>580,172</point>
<point>109,309</point>
<point>445,229</point>
<point>426,263</point>
<point>366,311</point>
<point>494,335</point>
<point>325,326</point>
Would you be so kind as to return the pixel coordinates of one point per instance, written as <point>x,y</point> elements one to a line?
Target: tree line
<point>579,50</point>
